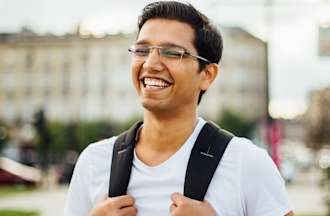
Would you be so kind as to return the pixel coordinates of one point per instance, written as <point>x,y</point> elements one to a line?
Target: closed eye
<point>142,51</point>
<point>171,52</point>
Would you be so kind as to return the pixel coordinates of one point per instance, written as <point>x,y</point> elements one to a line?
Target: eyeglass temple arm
<point>198,57</point>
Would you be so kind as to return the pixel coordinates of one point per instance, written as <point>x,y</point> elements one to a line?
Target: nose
<point>153,61</point>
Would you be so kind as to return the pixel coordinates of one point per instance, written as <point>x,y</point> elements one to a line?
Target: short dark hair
<point>207,41</point>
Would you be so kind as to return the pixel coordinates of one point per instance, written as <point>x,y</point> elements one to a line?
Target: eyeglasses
<point>169,52</point>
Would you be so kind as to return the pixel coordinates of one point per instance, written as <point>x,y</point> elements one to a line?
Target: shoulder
<point>253,158</point>
<point>249,151</point>
<point>244,149</point>
<point>94,156</point>
<point>91,165</point>
<point>250,160</point>
<point>101,147</point>
<point>262,187</point>
<point>97,151</point>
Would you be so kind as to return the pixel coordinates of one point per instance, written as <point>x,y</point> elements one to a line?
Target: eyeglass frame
<point>184,52</point>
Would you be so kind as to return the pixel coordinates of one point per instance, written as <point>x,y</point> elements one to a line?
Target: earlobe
<point>210,72</point>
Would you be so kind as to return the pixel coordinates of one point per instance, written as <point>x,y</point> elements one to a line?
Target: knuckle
<point>133,210</point>
<point>184,205</point>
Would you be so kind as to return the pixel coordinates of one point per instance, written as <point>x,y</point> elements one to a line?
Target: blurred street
<point>306,196</point>
<point>46,202</point>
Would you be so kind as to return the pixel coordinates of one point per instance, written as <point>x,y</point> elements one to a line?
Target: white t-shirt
<point>246,182</point>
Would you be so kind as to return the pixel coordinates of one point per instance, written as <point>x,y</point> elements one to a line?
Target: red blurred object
<point>7,178</point>
<point>274,139</point>
<point>13,172</point>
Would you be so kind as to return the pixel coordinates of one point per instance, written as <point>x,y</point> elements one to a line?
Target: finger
<point>178,198</point>
<point>172,208</point>
<point>121,201</point>
<point>206,203</point>
<point>104,197</point>
<point>128,211</point>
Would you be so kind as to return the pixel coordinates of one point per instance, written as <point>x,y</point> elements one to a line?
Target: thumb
<point>177,198</point>
<point>103,197</point>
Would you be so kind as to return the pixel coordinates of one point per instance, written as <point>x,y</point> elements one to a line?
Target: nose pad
<point>154,50</point>
<point>179,61</point>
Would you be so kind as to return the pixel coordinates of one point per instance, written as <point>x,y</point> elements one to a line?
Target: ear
<point>209,74</point>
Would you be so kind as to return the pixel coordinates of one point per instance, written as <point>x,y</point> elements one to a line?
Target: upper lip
<point>156,77</point>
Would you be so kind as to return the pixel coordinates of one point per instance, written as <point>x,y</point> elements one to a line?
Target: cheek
<point>135,71</point>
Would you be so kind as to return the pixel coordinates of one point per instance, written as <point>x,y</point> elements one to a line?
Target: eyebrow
<point>168,44</point>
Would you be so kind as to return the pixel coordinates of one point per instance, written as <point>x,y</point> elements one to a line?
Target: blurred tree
<point>127,124</point>
<point>44,138</point>
<point>236,123</point>
<point>89,132</point>
<point>75,136</point>
<point>318,129</point>
<point>59,138</point>
<point>318,115</point>
<point>72,138</point>
<point>4,136</point>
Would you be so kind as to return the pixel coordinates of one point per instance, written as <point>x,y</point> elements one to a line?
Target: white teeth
<point>155,83</point>
<point>153,87</point>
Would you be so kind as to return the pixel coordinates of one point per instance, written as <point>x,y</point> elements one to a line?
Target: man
<point>174,61</point>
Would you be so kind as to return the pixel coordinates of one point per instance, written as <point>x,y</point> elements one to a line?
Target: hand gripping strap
<point>122,159</point>
<point>204,159</point>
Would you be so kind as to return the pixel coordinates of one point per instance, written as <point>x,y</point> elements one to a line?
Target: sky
<point>289,26</point>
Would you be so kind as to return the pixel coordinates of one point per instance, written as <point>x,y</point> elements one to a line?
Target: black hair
<point>207,40</point>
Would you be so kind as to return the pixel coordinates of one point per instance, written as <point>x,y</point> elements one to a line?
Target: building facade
<point>242,82</point>
<point>75,77</point>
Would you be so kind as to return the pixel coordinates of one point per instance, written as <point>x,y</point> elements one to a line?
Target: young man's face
<point>166,84</point>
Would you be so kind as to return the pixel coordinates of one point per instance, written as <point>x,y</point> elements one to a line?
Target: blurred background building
<point>83,77</point>
<point>70,77</point>
<point>242,82</point>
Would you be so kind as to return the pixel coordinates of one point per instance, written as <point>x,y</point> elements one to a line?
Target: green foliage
<point>8,212</point>
<point>126,125</point>
<point>236,123</point>
<point>89,132</point>
<point>12,190</point>
<point>77,135</point>
<point>4,135</point>
<point>59,139</point>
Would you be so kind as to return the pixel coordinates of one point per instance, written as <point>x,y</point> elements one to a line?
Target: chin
<point>154,107</point>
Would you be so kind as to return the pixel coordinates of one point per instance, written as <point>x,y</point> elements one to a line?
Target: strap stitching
<point>209,148</point>
<point>122,151</point>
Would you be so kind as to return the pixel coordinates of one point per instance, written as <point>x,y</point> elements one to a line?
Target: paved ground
<point>47,202</point>
<point>306,196</point>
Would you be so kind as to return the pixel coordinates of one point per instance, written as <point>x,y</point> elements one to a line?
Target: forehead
<point>164,31</point>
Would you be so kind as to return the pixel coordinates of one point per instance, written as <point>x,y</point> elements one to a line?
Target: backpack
<point>205,156</point>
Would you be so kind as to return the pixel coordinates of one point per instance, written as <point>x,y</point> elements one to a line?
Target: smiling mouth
<point>155,83</point>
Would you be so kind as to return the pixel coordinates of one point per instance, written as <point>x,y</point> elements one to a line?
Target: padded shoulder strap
<point>204,159</point>
<point>122,159</point>
<point>205,156</point>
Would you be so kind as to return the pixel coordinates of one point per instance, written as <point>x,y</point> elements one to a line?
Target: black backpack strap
<point>122,159</point>
<point>205,156</point>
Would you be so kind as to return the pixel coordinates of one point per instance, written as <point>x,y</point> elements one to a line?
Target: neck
<point>166,133</point>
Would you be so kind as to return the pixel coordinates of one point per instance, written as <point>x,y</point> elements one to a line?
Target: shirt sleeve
<point>78,201</point>
<point>263,187</point>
